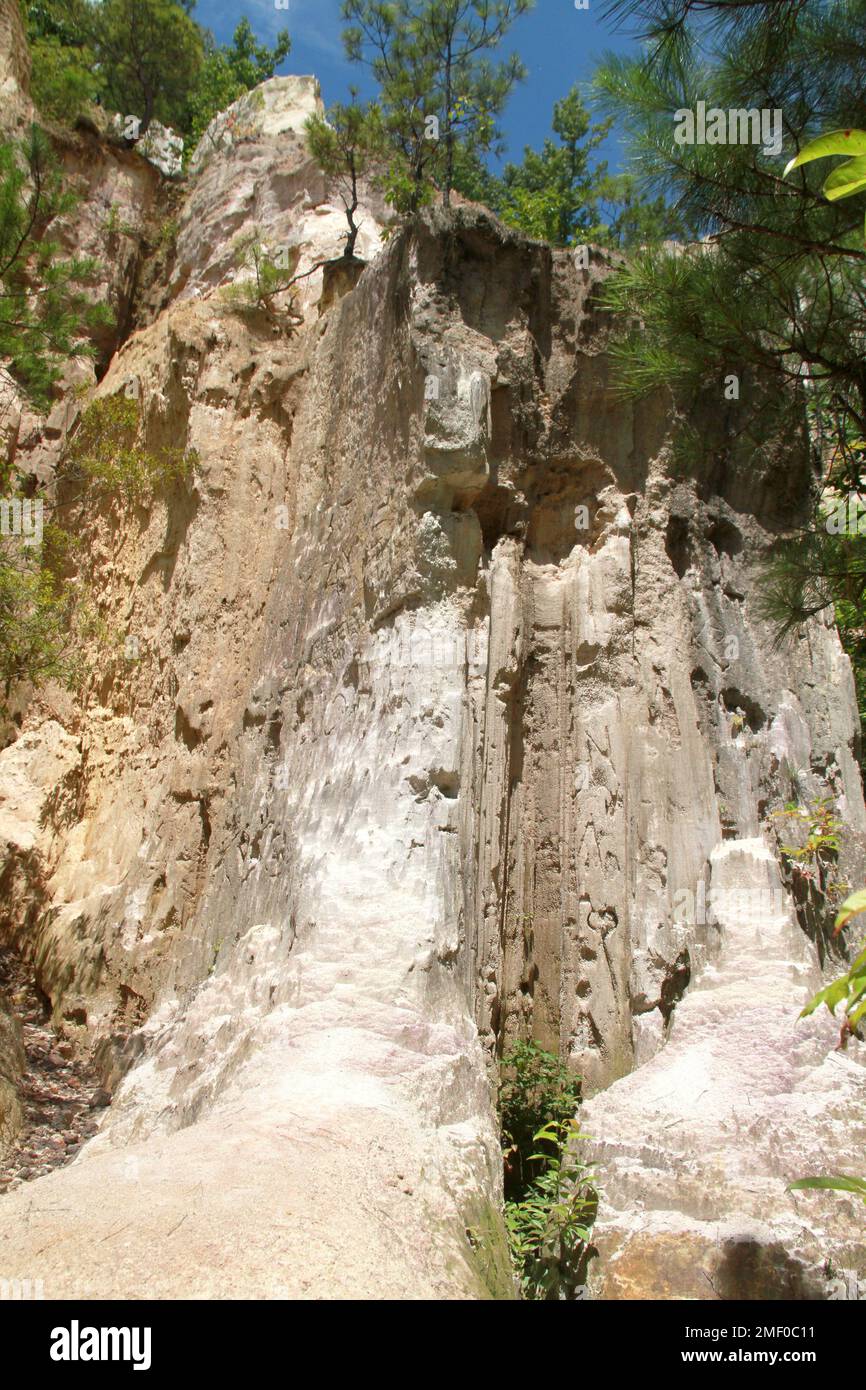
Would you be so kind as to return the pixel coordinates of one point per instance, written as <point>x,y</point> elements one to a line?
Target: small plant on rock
<point>813,849</point>
<point>551,1194</point>
<point>267,281</point>
<point>106,453</point>
<point>348,146</point>
<point>849,991</point>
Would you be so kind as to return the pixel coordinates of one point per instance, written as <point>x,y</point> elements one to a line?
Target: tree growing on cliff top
<point>227,72</point>
<point>553,192</point>
<point>64,78</point>
<point>438,86</point>
<point>149,54</point>
<point>348,146</point>
<point>142,58</point>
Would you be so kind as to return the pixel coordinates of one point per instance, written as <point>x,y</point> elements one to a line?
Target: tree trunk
<point>449,136</point>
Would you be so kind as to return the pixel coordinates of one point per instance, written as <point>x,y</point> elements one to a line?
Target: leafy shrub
<point>269,276</point>
<point>106,452</point>
<point>46,309</point>
<point>44,615</point>
<point>535,1089</point>
<point>849,991</point>
<point>551,1195</point>
<point>65,81</point>
<point>35,611</point>
<point>815,840</point>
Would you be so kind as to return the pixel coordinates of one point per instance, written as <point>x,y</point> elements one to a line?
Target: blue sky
<point>558,44</point>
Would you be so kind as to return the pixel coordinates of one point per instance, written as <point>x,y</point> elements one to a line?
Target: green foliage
<point>268,275</point>
<point>810,838</point>
<point>149,54</point>
<point>817,569</point>
<point>845,179</point>
<point>44,312</point>
<point>778,286</point>
<point>116,227</point>
<point>817,832</point>
<point>430,59</point>
<point>348,146</point>
<point>552,194</point>
<point>850,989</point>
<point>43,615</point>
<point>774,293</point>
<point>143,58</point>
<point>65,78</point>
<point>536,1088</point>
<point>627,220</point>
<point>63,82</point>
<point>226,73</point>
<point>35,617</point>
<point>551,1196</point>
<point>855,1185</point>
<point>561,195</point>
<point>106,453</point>
<point>44,305</point>
<point>549,1224</point>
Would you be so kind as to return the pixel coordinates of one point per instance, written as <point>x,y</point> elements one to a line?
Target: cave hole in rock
<point>735,702</point>
<point>725,537</point>
<point>677,544</point>
<point>675,984</point>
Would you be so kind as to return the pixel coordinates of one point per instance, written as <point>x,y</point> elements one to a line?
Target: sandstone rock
<point>696,1147</point>
<point>11,1069</point>
<point>434,718</point>
<point>252,177</point>
<point>160,146</point>
<point>16,109</point>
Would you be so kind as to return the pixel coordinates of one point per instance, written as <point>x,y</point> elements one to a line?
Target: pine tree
<point>149,53</point>
<point>552,194</point>
<point>439,89</point>
<point>45,311</point>
<point>45,308</point>
<point>775,291</point>
<point>780,290</point>
<point>348,146</point>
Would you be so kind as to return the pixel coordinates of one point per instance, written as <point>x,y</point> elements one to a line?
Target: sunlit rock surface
<point>697,1147</point>
<point>421,709</point>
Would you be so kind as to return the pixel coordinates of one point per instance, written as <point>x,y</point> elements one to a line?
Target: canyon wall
<point>425,697</point>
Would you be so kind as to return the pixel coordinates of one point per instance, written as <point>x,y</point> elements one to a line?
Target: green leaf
<point>549,1131</point>
<point>850,907</point>
<point>831,996</point>
<point>849,178</point>
<point>852,142</point>
<point>859,1013</point>
<point>856,1185</point>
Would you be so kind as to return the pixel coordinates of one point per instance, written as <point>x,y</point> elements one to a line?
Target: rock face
<point>11,1068</point>
<point>15,106</point>
<point>696,1147</point>
<point>431,694</point>
<point>253,179</point>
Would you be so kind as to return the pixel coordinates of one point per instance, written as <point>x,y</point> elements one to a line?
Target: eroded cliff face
<point>15,67</point>
<point>426,697</point>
